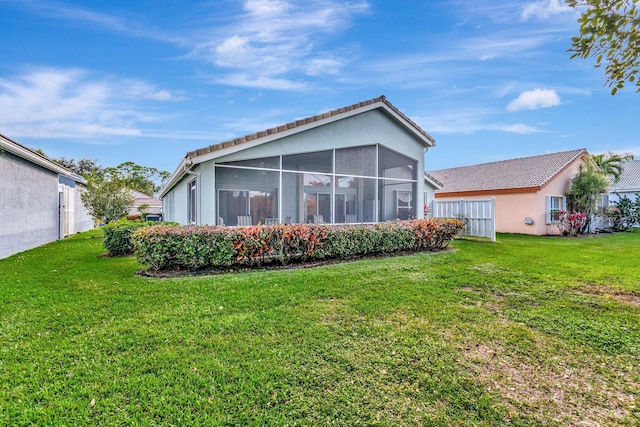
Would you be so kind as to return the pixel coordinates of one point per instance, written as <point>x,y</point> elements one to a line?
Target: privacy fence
<point>479,215</point>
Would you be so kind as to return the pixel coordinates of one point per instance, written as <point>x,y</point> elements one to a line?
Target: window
<point>192,202</point>
<point>602,204</point>
<point>403,204</point>
<point>555,204</point>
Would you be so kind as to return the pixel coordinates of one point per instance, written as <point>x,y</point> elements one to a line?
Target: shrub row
<point>117,235</point>
<point>194,248</point>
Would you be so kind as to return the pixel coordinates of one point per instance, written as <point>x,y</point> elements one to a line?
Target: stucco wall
<point>28,205</point>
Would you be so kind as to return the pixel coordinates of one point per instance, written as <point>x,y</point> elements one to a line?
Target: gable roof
<point>526,174</point>
<point>433,181</point>
<point>36,158</point>
<point>315,121</point>
<point>629,179</point>
<point>253,139</point>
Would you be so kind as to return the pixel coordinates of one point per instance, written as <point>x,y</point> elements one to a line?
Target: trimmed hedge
<point>117,235</point>
<point>194,248</point>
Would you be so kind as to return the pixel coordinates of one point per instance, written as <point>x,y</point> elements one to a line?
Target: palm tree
<point>585,188</point>
<point>611,164</point>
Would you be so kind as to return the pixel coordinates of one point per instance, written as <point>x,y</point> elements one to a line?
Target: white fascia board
<point>432,182</point>
<point>173,180</point>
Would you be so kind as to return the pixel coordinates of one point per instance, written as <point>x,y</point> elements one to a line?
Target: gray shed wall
<point>28,205</point>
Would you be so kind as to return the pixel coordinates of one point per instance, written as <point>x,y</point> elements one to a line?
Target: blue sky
<point>149,80</point>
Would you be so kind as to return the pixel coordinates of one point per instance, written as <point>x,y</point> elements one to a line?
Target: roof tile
<point>630,177</point>
<point>525,172</point>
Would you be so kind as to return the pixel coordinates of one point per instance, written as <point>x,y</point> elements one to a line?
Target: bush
<point>117,235</point>
<point>570,224</point>
<point>624,214</point>
<point>209,247</point>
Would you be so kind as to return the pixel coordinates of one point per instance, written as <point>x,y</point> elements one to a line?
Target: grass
<point>527,331</point>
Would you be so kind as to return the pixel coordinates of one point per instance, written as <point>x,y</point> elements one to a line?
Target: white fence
<point>479,215</point>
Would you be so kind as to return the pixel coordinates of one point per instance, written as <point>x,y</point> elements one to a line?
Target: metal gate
<point>479,215</point>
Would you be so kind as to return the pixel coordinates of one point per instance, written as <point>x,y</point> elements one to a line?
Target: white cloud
<point>469,120</point>
<point>534,99</point>
<point>271,40</point>
<point>543,9</point>
<point>138,90</point>
<point>260,82</point>
<point>266,8</point>
<point>521,129</point>
<point>109,22</point>
<point>71,103</point>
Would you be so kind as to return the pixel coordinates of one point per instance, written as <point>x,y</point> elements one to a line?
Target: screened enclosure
<point>350,185</point>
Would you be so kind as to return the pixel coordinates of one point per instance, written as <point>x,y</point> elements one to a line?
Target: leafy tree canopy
<point>145,179</point>
<point>82,167</point>
<point>610,33</point>
<point>105,199</point>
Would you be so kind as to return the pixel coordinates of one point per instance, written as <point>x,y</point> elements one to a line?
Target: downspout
<point>188,164</point>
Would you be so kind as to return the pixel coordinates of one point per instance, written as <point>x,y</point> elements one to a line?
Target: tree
<point>105,199</point>
<point>145,179</point>
<point>611,164</point>
<point>585,189</point>
<point>610,33</point>
<point>83,167</point>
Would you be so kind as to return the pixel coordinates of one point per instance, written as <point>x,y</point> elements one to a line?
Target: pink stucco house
<point>528,191</point>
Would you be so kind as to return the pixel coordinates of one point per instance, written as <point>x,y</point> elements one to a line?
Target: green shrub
<point>210,247</point>
<point>117,235</point>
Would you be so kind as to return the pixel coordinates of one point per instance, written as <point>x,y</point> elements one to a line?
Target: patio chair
<point>244,220</point>
<point>351,218</point>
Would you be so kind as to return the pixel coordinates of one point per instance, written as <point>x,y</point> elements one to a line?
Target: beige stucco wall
<point>513,208</point>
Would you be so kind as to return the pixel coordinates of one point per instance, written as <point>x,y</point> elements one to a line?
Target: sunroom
<point>358,164</point>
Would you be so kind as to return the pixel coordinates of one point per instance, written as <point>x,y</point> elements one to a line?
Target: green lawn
<point>527,331</point>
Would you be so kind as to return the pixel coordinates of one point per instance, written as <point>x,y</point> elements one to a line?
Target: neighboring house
<point>139,199</point>
<point>39,200</point>
<point>360,163</point>
<point>528,191</point>
<point>628,185</point>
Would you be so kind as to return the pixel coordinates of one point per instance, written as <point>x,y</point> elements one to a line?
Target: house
<point>39,200</point>
<point>360,163</point>
<point>628,185</point>
<point>154,204</point>
<point>528,191</point>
